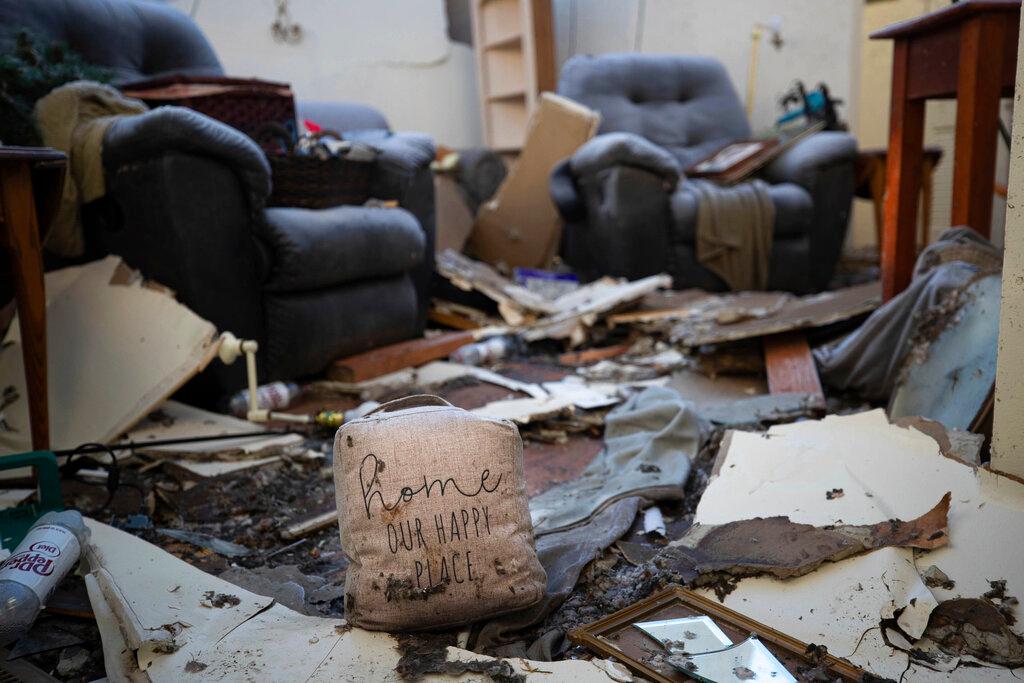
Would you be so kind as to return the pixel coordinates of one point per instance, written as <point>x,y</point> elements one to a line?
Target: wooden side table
<point>967,51</point>
<point>31,180</point>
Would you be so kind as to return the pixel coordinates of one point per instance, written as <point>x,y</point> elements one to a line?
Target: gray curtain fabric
<point>869,361</point>
<point>649,440</point>
<point>734,232</point>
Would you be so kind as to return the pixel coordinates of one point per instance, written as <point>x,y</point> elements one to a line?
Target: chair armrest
<point>810,157</point>
<point>624,149</point>
<point>176,129</point>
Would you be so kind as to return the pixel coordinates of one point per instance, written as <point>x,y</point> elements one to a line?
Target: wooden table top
<point>961,11</point>
<point>11,153</point>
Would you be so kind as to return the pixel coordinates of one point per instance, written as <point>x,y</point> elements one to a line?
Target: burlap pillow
<point>433,515</point>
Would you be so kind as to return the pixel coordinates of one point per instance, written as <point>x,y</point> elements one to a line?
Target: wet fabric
<point>870,360</point>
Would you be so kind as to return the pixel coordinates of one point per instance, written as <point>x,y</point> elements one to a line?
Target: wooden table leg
<point>903,178</point>
<point>977,122</point>
<point>19,217</point>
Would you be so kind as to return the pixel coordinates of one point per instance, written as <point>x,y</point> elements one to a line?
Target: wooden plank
<point>903,178</point>
<point>977,120</point>
<point>790,365</point>
<point>18,211</point>
<point>387,359</point>
<point>594,355</point>
<point>312,525</point>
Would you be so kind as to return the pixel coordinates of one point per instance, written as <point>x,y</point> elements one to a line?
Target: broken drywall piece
<point>719,555</point>
<point>950,379</point>
<point>109,336</point>
<point>733,317</point>
<point>162,619</point>
<point>886,471</point>
<point>566,317</point>
<point>445,371</point>
<point>581,308</point>
<point>516,303</point>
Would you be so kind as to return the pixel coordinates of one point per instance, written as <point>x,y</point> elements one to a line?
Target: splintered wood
<point>535,317</point>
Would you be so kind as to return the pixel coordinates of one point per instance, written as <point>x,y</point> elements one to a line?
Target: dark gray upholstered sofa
<point>186,198</point>
<point>625,214</point>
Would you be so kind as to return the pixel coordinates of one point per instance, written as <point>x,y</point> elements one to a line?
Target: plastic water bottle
<point>38,565</point>
<point>484,351</point>
<point>273,396</point>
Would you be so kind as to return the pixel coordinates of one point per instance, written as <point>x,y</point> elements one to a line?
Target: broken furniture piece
<point>616,636</point>
<point>31,177</point>
<point>111,335</point>
<point>980,40</point>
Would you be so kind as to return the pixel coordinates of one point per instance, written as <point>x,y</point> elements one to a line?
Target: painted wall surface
<point>392,54</point>
<point>1008,427</point>
<point>821,40</point>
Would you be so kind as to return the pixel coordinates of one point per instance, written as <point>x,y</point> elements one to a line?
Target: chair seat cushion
<point>314,248</point>
<point>794,211</point>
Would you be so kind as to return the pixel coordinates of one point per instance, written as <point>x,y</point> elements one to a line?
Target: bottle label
<point>42,559</point>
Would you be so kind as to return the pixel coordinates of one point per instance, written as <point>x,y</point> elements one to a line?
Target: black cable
<point>133,445</point>
<point>113,468</point>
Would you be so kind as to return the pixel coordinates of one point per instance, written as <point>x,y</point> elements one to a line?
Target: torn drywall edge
<point>270,642</point>
<point>128,343</point>
<point>788,470</point>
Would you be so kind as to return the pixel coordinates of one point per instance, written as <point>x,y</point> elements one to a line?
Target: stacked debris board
<point>515,58</point>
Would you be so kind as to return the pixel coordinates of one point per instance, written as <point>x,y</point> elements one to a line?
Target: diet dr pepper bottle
<point>40,562</point>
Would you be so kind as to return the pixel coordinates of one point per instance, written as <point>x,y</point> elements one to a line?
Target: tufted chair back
<point>134,39</point>
<point>686,104</point>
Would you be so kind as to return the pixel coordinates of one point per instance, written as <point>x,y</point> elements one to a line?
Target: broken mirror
<point>747,661</point>
<point>689,635</point>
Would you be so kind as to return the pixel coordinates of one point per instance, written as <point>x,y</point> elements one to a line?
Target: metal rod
<point>132,445</point>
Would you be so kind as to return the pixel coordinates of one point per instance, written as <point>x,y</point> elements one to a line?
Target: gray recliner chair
<point>186,204</point>
<point>628,214</point>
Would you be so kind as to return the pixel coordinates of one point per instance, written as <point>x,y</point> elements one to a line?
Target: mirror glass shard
<point>748,661</point>
<point>690,635</point>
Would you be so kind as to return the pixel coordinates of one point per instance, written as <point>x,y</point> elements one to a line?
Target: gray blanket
<point>650,440</point>
<point>734,231</point>
<point>869,361</point>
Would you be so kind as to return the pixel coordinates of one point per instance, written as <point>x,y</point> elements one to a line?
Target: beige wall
<point>1008,429</point>
<point>392,54</point>
<point>822,40</point>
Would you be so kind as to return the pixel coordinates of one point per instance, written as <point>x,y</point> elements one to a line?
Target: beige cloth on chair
<point>734,231</point>
<point>73,118</point>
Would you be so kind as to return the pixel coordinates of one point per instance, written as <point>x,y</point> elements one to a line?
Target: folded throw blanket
<point>734,231</point>
<point>73,118</point>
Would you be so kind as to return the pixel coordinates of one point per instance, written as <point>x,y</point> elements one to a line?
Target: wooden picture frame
<point>612,636</point>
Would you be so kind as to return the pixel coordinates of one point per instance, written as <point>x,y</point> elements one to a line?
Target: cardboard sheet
<point>117,346</point>
<point>885,472</point>
<point>520,226</point>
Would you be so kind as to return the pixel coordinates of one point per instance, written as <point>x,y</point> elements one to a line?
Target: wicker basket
<point>245,104</point>
<point>311,183</point>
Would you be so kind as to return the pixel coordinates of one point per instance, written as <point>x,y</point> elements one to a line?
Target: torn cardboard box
<point>520,226</point>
